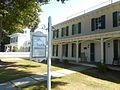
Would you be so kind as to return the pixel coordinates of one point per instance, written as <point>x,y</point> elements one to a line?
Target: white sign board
<point>38,46</point>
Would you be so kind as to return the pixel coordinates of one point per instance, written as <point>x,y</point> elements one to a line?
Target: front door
<point>92,52</point>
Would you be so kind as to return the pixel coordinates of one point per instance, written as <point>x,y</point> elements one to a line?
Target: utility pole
<point>49,55</point>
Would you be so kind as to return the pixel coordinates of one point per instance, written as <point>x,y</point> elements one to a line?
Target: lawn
<point>14,69</point>
<point>89,79</point>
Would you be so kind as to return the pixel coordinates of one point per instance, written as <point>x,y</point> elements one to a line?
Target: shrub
<point>101,67</point>
<point>15,49</point>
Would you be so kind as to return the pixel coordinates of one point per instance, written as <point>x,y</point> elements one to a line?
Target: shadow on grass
<point>10,71</point>
<point>108,75</point>
<point>43,85</point>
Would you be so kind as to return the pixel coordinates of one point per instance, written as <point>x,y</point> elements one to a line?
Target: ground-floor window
<point>65,50</point>
<point>73,50</point>
<point>55,50</point>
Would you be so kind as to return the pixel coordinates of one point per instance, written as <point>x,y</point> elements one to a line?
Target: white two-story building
<point>19,42</point>
<point>91,37</point>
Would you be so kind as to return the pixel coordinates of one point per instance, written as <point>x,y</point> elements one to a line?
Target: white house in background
<point>21,41</point>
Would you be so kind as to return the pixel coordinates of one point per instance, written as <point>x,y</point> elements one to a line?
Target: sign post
<point>49,55</point>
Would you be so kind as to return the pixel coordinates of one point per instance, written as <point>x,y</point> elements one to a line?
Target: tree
<point>18,14</point>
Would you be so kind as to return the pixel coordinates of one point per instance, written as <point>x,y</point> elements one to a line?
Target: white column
<point>102,53</point>
<point>60,51</point>
<point>77,60</point>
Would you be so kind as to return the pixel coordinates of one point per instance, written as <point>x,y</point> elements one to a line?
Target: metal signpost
<point>49,55</point>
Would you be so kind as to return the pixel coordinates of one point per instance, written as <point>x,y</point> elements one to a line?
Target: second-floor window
<point>65,31</point>
<point>98,23</point>
<point>55,33</point>
<point>76,28</point>
<point>116,19</point>
<point>13,39</point>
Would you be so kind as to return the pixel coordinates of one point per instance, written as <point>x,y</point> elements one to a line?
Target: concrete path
<point>20,83</point>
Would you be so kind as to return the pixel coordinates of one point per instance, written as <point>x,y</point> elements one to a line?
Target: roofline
<point>84,12</point>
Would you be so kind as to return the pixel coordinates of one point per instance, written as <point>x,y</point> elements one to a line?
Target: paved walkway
<point>20,83</point>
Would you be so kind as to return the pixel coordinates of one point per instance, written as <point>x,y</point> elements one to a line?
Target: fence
<point>14,54</point>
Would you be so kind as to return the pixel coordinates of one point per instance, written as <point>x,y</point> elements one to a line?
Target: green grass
<point>89,79</point>
<point>14,69</point>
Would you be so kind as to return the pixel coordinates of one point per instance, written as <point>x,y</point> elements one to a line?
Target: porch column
<point>102,53</point>
<point>60,52</point>
<point>77,60</point>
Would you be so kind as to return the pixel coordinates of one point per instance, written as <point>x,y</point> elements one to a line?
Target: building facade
<point>19,42</point>
<point>91,37</point>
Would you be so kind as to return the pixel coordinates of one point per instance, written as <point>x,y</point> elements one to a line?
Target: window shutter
<point>53,50</point>
<point>79,50</point>
<point>115,19</point>
<point>67,30</point>
<point>92,24</point>
<point>96,22</point>
<point>103,22</point>
<point>66,50</point>
<point>57,33</point>
<point>79,27</point>
<point>56,50</point>
<point>62,32</point>
<point>73,27</point>
<point>53,34</point>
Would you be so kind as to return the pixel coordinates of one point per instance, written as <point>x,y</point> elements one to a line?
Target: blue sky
<point>59,12</point>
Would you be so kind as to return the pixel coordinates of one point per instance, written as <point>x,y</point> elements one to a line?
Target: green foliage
<point>18,14</point>
<point>15,49</point>
<point>101,67</point>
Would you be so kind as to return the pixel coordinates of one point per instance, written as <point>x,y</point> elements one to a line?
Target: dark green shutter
<point>53,50</point>
<point>115,19</point>
<point>62,33</point>
<point>56,50</point>
<point>66,50</point>
<point>57,33</point>
<point>53,34</point>
<point>73,27</point>
<point>79,50</point>
<point>67,30</point>
<point>92,24</point>
<point>103,22</point>
<point>96,22</point>
<point>79,27</point>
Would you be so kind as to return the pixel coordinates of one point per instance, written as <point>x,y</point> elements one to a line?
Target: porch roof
<point>107,35</point>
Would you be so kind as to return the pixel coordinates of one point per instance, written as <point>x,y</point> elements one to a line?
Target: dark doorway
<point>104,47</point>
<point>115,45</point>
<point>79,50</point>
<point>92,52</point>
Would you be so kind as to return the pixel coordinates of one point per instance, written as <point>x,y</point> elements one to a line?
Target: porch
<point>102,48</point>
